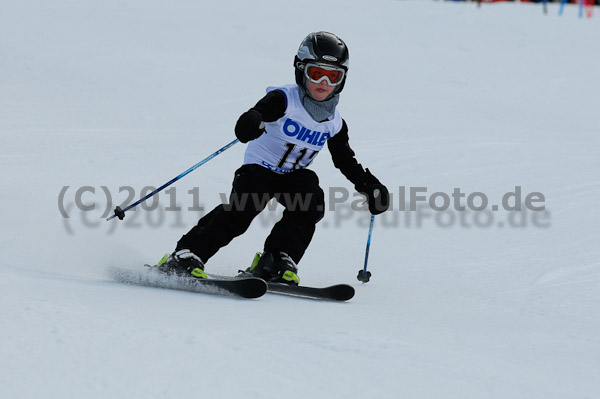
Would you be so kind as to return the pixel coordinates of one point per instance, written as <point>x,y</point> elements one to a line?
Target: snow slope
<point>440,95</point>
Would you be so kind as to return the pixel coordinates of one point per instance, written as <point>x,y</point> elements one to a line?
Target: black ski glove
<point>249,126</point>
<point>377,194</point>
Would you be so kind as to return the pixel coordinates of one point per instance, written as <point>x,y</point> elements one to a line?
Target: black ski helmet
<point>323,48</point>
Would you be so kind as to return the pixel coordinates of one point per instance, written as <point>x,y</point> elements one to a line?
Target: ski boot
<point>183,263</point>
<point>276,267</point>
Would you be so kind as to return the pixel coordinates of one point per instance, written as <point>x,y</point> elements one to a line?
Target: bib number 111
<point>290,149</point>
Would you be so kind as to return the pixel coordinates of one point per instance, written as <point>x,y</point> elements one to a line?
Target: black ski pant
<point>253,187</point>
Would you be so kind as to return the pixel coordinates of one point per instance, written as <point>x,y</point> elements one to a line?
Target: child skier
<point>285,130</point>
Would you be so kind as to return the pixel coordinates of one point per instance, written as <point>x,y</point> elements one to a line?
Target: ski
<point>337,292</point>
<point>245,287</point>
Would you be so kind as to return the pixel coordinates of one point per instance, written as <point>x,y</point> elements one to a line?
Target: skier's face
<point>319,91</point>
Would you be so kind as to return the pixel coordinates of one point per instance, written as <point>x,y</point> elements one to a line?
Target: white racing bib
<point>294,140</point>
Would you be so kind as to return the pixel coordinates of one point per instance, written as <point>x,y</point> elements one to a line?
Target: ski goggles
<point>316,73</point>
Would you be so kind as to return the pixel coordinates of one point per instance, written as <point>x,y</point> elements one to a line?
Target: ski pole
<point>120,213</point>
<point>363,274</point>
